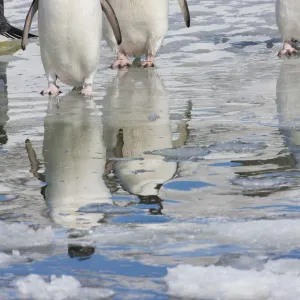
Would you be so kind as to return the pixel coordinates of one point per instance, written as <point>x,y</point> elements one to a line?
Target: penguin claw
<point>52,90</point>
<point>288,50</point>
<point>121,62</point>
<point>148,64</point>
<point>87,91</point>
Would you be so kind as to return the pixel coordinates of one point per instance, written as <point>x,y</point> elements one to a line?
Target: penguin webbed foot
<point>87,90</point>
<point>149,62</point>
<point>52,90</point>
<point>122,62</point>
<point>288,48</point>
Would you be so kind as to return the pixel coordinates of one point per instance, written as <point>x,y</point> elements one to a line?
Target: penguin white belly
<point>144,24</point>
<point>70,36</point>
<point>288,18</point>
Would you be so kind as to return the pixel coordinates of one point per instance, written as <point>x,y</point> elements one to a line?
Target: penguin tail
<point>16,33</point>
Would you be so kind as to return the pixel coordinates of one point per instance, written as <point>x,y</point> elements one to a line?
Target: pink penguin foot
<point>121,62</point>
<point>149,62</point>
<point>287,50</point>
<point>52,90</point>
<point>87,90</point>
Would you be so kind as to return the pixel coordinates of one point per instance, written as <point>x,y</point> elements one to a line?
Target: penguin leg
<point>122,61</point>
<point>88,84</point>
<point>288,49</point>
<point>53,89</point>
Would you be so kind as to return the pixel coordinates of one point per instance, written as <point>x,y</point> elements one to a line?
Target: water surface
<point>179,181</point>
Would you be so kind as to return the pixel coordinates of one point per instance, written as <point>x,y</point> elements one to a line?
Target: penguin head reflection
<point>136,121</point>
<point>75,158</point>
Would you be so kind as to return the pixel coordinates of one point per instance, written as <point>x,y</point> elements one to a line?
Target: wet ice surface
<point>180,181</point>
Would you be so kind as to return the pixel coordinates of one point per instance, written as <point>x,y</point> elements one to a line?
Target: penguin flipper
<point>16,33</point>
<point>32,11</point>
<point>112,19</point>
<point>186,13</point>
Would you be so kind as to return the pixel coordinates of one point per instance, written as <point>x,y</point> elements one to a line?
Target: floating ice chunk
<point>281,266</point>
<point>258,234</point>
<point>242,261</point>
<point>271,234</point>
<point>66,287</point>
<point>237,147</point>
<point>106,208</point>
<point>227,283</point>
<point>181,154</point>
<point>15,257</point>
<point>263,183</point>
<point>217,150</point>
<point>18,236</point>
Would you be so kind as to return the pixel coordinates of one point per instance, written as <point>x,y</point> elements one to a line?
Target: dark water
<point>180,181</point>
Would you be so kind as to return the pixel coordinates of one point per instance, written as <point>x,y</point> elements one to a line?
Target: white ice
<point>226,283</point>
<point>66,287</point>
<point>277,234</point>
<point>14,257</point>
<point>19,236</point>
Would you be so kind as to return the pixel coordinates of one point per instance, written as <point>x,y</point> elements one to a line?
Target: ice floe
<point>264,234</point>
<point>66,287</point>
<point>14,257</point>
<point>19,236</point>
<point>227,283</point>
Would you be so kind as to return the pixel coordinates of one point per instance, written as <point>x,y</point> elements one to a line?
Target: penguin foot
<point>121,62</point>
<point>287,50</point>
<point>87,90</point>
<point>149,62</point>
<point>52,90</point>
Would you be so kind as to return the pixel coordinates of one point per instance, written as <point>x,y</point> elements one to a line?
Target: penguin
<point>288,22</point>
<point>144,25</point>
<point>6,29</point>
<point>70,36</point>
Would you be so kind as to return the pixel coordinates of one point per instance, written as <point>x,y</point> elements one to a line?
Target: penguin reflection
<point>75,159</point>
<point>136,121</point>
<point>288,106</point>
<point>3,103</point>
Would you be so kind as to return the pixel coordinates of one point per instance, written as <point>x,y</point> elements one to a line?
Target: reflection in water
<point>76,251</point>
<point>288,109</point>
<point>288,106</point>
<point>3,103</point>
<point>136,120</point>
<point>75,159</point>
